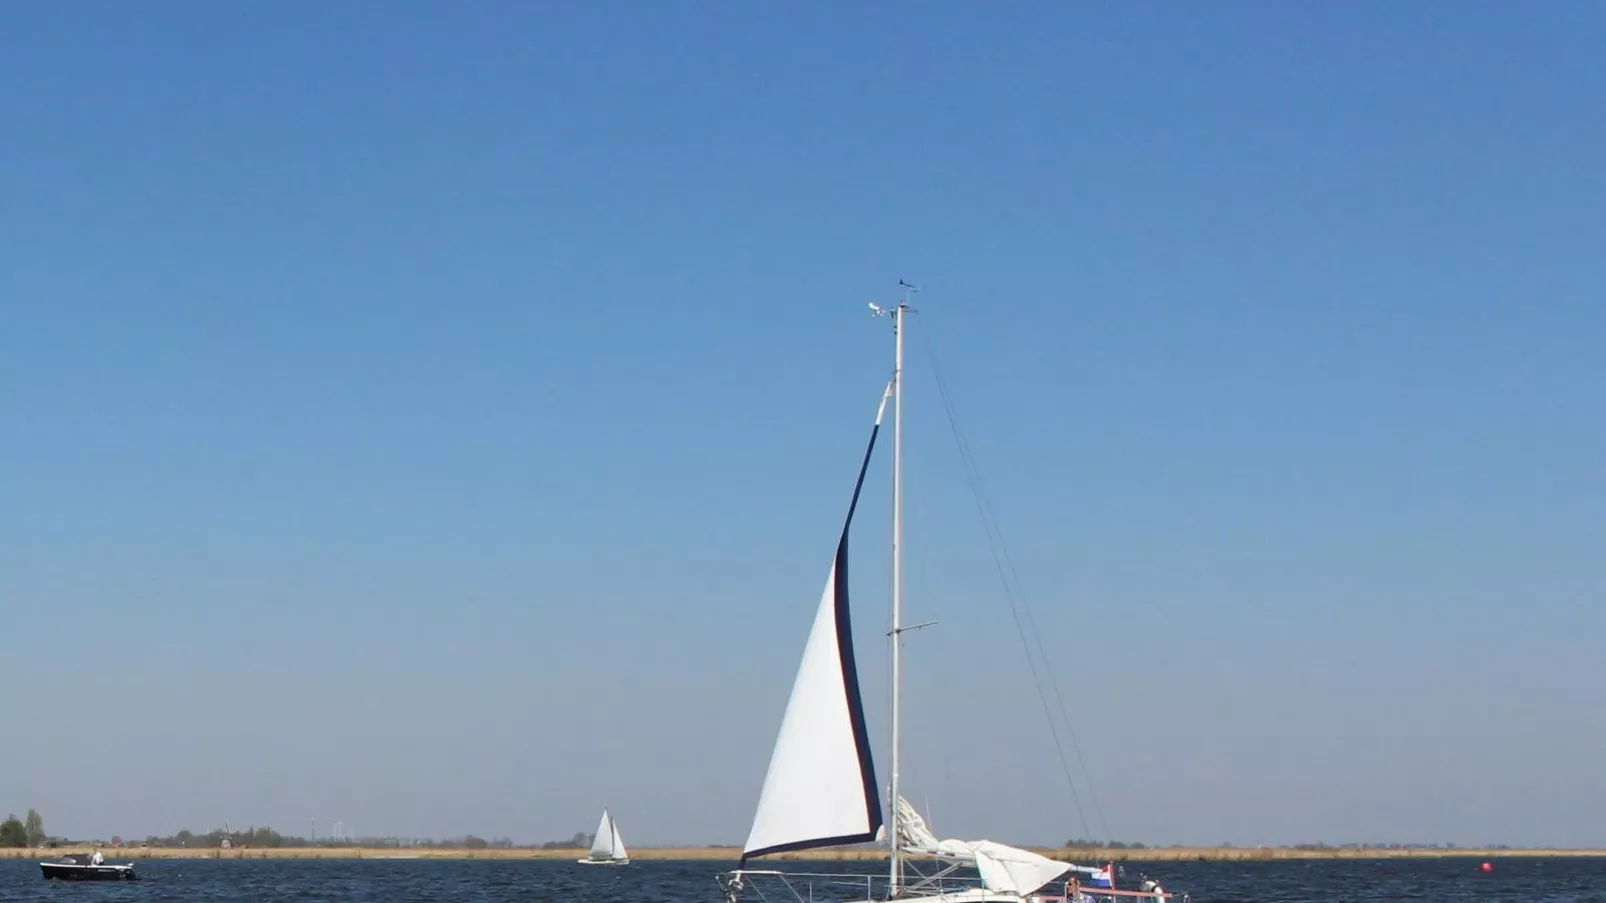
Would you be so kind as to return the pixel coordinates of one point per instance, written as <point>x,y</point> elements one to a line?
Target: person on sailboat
<point>1151,886</point>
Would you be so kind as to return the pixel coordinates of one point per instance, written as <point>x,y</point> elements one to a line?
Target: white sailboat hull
<point>983,895</point>
<point>818,887</point>
<point>589,861</point>
<point>975,895</point>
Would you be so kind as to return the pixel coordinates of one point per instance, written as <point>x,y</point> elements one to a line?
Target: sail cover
<point>1013,870</point>
<point>1003,868</point>
<point>820,789</point>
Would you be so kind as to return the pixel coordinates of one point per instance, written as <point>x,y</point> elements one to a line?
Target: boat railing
<point>1082,894</point>
<point>776,886</point>
<point>939,876</point>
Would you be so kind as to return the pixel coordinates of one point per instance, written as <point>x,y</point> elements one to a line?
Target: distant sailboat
<point>821,790</point>
<point>607,847</point>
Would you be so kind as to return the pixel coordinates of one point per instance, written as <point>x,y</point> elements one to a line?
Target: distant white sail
<point>607,847</point>
<point>603,842</point>
<point>619,851</point>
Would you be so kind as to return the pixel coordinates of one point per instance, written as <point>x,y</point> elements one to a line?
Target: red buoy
<point>1488,867</point>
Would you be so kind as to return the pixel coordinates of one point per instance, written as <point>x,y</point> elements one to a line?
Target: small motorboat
<point>81,868</point>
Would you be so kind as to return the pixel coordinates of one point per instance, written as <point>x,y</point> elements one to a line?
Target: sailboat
<point>607,847</point>
<point>820,789</point>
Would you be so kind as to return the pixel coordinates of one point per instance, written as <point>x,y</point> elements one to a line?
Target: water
<point>1565,880</point>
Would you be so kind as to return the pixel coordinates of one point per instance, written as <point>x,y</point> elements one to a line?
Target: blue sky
<point>439,417</point>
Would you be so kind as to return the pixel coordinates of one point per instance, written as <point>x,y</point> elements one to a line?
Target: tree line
<point>267,838</point>
<point>271,839</point>
<point>28,831</point>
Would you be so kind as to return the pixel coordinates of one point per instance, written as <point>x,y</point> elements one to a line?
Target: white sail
<point>619,851</point>
<point>820,789</point>
<point>602,843</point>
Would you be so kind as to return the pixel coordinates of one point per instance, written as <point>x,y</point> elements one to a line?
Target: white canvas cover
<point>912,831</point>
<point>1007,868</point>
<point>1002,867</point>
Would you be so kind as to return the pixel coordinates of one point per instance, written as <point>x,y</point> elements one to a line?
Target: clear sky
<point>438,417</point>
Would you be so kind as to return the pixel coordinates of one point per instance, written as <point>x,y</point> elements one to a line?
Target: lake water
<point>1572,880</point>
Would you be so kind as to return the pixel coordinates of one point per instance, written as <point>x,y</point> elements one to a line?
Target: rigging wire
<point>1018,605</point>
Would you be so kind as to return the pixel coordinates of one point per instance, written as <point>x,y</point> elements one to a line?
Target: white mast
<point>896,852</point>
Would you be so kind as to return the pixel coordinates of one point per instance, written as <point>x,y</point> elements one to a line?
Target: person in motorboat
<point>97,859</point>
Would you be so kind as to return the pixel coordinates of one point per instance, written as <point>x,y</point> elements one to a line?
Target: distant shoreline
<point>731,854</point>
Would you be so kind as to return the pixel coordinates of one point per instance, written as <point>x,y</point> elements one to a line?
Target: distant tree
<point>265,837</point>
<point>13,833</point>
<point>580,840</point>
<point>475,843</point>
<point>34,827</point>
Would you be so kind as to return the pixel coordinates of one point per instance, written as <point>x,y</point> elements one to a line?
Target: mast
<point>896,852</point>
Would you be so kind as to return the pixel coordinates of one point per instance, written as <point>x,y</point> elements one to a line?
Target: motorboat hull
<point>72,871</point>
